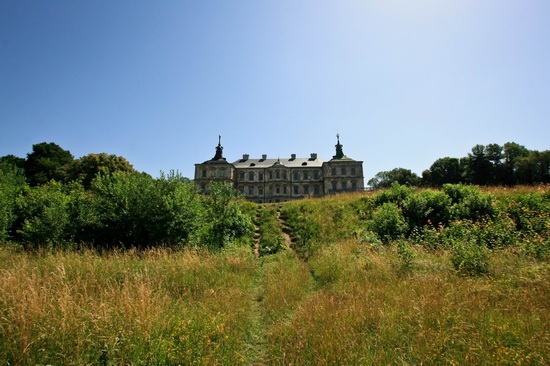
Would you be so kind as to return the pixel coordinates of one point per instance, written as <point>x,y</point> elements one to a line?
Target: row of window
<point>277,190</point>
<point>278,174</point>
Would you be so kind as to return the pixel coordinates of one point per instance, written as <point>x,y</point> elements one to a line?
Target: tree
<point>13,160</point>
<point>495,154</point>
<point>48,161</point>
<point>88,167</point>
<point>512,151</point>
<point>401,176</point>
<point>478,166</point>
<point>444,170</point>
<point>12,184</point>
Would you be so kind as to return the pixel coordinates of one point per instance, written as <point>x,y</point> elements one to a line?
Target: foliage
<point>388,222</point>
<point>469,258</point>
<point>135,210</point>
<point>44,215</point>
<point>88,167</point>
<point>48,161</point>
<point>398,175</point>
<point>12,184</point>
<point>427,207</point>
<point>223,220</point>
<point>271,234</point>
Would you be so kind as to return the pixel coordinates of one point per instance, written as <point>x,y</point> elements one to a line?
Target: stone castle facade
<point>278,180</point>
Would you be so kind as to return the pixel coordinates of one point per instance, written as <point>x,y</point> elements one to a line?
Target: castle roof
<point>288,163</point>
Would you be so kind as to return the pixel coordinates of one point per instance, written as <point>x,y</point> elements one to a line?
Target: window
<point>278,190</point>
<point>278,174</point>
<point>354,185</point>
<point>284,175</point>
<point>241,176</point>
<point>260,191</point>
<point>250,191</point>
<point>284,189</point>
<point>316,190</point>
<point>333,171</point>
<point>251,176</point>
<point>204,173</point>
<point>316,175</point>
<point>344,170</point>
<point>334,186</point>
<point>260,176</point>
<point>241,189</point>
<point>306,189</point>
<point>296,176</point>
<point>353,171</point>
<point>296,189</point>
<point>306,175</point>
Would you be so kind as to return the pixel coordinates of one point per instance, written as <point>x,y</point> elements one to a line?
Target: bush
<point>469,203</point>
<point>397,194</point>
<point>470,258</point>
<point>388,222</point>
<point>427,208</point>
<point>44,215</point>
<point>12,184</point>
<point>223,220</point>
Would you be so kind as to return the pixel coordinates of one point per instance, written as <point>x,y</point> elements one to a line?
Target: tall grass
<point>153,307</point>
<point>338,298</point>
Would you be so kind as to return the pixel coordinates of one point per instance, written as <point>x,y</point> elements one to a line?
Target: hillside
<point>453,276</point>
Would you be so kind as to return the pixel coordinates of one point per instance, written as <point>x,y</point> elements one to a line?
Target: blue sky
<point>403,82</point>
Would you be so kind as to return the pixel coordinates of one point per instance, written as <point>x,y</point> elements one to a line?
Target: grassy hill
<point>454,276</point>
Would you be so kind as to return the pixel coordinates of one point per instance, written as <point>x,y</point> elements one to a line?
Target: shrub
<point>427,207</point>
<point>12,184</point>
<point>469,203</point>
<point>397,194</point>
<point>44,216</point>
<point>222,220</point>
<point>469,258</point>
<point>388,222</point>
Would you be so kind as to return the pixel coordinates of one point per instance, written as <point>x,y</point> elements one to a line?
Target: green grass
<point>337,298</point>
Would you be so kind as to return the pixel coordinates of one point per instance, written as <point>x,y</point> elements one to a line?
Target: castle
<point>278,180</point>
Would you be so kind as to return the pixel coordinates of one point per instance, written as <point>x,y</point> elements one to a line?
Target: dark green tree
<point>16,161</point>
<point>402,176</point>
<point>48,161</point>
<point>478,166</point>
<point>512,151</point>
<point>89,166</point>
<point>444,170</point>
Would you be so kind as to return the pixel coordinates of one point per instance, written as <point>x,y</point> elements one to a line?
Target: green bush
<point>44,215</point>
<point>397,194</point>
<point>428,207</point>
<point>12,184</point>
<point>469,258</point>
<point>388,222</point>
<point>222,220</point>
<point>469,203</point>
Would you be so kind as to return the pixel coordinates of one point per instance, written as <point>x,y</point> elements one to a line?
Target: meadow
<point>393,277</point>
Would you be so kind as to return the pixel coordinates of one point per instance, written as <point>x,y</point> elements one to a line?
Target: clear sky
<point>404,82</point>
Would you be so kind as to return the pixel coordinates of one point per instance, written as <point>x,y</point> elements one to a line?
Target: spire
<point>219,149</point>
<point>339,146</point>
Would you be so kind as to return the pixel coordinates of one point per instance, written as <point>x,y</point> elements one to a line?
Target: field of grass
<point>336,298</point>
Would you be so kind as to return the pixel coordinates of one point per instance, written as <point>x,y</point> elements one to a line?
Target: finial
<point>338,137</point>
<point>219,139</point>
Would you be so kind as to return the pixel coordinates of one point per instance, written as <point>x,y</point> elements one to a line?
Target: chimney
<point>292,156</point>
<point>264,156</point>
<point>313,156</point>
<point>245,156</point>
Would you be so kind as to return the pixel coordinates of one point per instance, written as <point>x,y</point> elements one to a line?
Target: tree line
<point>51,199</point>
<point>490,164</point>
